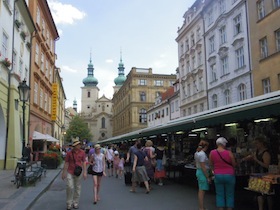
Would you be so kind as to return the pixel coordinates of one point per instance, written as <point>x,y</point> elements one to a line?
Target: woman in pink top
<point>223,163</point>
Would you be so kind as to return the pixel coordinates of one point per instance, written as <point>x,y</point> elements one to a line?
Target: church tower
<point>121,78</point>
<point>90,91</point>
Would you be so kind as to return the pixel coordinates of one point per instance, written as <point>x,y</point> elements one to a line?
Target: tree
<point>78,128</point>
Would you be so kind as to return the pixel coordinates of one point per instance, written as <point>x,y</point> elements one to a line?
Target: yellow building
<point>264,29</point>
<point>135,97</point>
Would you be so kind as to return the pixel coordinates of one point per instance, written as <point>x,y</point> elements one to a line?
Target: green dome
<point>120,80</point>
<point>90,81</point>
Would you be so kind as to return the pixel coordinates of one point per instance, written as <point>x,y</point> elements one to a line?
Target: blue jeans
<point>225,187</point>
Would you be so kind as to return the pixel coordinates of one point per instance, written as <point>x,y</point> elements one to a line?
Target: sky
<point>143,32</point>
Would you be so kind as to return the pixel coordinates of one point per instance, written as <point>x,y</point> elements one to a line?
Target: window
<point>15,61</point>
<point>263,47</point>
<point>41,97</point>
<point>47,68</point>
<point>187,45</point>
<point>172,107</point>
<point>194,87</point>
<point>88,94</point>
<point>276,3</point>
<point>227,97</point>
<point>193,63</point>
<point>195,109</point>
<point>222,6</point>
<point>199,58</point>
<point>162,113</point>
<point>224,65</point>
<point>167,111</point>
<point>38,16</point>
<point>223,37</point>
<point>158,83</point>
<point>189,90</point>
<point>103,122</point>
<point>35,93</point>
<point>239,54</point>
<point>198,34</point>
<point>50,105</point>
<point>189,111</point>
<point>46,103</point>
<point>37,53</point>
<point>192,40</point>
<point>213,72</point>
<point>20,68</point>
<point>212,44</point>
<point>260,9</point>
<point>176,105</point>
<point>4,50</point>
<point>277,38</point>
<point>142,82</point>
<point>142,116</point>
<point>43,27</point>
<point>242,92</point>
<point>210,16</point>
<point>215,101</point>
<point>42,62</point>
<point>237,24</point>
<point>201,107</point>
<point>143,96</point>
<point>200,83</point>
<point>266,85</point>
<point>188,67</point>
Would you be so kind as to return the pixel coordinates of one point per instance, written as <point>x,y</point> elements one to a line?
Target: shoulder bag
<point>78,169</point>
<point>223,158</point>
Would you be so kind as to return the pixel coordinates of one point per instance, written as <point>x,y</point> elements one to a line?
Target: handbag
<point>89,170</point>
<point>78,169</point>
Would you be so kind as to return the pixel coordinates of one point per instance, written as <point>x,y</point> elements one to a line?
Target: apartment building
<point>137,94</point>
<point>227,52</point>
<point>264,29</point>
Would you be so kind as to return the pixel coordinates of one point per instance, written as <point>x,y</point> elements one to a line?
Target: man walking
<point>75,157</point>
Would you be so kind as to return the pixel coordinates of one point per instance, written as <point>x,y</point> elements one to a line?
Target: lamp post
<point>24,91</point>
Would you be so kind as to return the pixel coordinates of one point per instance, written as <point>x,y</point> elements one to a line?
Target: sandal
<point>132,191</point>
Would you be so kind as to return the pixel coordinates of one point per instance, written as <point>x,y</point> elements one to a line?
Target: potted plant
<point>6,62</point>
<point>50,160</point>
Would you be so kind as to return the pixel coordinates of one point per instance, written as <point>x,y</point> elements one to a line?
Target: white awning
<point>51,139</point>
<point>39,136</point>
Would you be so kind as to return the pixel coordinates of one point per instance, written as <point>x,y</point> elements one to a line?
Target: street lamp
<point>24,91</point>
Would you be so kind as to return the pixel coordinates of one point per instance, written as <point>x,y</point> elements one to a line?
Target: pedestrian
<point>139,171</point>
<point>109,160</point>
<point>202,172</point>
<point>151,163</point>
<point>159,170</point>
<point>121,166</point>
<point>116,161</point>
<point>75,157</point>
<point>223,163</point>
<point>27,153</point>
<point>97,162</point>
<point>131,151</point>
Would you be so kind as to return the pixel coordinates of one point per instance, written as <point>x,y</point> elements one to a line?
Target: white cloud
<point>65,13</point>
<point>109,61</point>
<point>60,32</point>
<point>67,68</point>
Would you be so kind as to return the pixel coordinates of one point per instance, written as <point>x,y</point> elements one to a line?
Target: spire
<point>75,104</point>
<point>121,78</point>
<point>90,80</point>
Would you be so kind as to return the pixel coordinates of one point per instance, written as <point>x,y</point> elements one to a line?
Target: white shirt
<point>201,157</point>
<point>98,159</point>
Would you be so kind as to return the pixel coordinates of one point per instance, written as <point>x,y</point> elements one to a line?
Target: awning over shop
<point>264,106</point>
<point>39,136</point>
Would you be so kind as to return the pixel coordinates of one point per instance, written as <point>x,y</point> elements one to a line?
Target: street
<point>115,195</point>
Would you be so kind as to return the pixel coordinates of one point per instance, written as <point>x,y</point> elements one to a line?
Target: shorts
<point>109,164</point>
<point>97,173</point>
<point>202,180</point>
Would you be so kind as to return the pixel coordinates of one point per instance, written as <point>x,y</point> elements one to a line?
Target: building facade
<point>16,30</point>
<point>97,112</point>
<point>227,53</point>
<point>191,56</point>
<point>137,94</point>
<point>43,72</point>
<point>264,29</point>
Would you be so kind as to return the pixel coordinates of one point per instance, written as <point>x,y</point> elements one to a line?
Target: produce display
<point>263,183</point>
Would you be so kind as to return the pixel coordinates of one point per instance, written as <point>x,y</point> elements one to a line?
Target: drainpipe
<point>9,87</point>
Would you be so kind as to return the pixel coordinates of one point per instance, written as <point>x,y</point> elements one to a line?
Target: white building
<point>192,69</point>
<point>227,54</point>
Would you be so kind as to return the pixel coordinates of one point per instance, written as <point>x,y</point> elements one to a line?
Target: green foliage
<point>78,128</point>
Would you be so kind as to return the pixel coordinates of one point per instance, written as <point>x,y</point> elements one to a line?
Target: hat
<point>75,141</point>
<point>97,146</point>
<point>221,141</point>
<point>116,152</point>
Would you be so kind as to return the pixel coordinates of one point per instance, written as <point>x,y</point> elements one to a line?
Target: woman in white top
<point>97,160</point>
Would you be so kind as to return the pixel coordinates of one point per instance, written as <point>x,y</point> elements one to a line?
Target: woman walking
<point>160,172</point>
<point>139,170</point>
<point>97,162</point>
<point>223,163</point>
<point>202,171</point>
